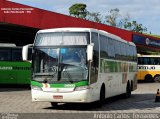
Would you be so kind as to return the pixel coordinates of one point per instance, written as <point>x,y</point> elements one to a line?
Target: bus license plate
<point>58,97</point>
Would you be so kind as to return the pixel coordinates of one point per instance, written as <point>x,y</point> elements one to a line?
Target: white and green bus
<point>81,65</point>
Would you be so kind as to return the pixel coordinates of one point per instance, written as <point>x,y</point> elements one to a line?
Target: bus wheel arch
<point>156,78</point>
<point>131,85</point>
<point>148,78</point>
<point>128,90</point>
<point>54,104</point>
<point>102,94</point>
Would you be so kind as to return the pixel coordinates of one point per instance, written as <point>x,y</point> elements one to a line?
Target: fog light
<point>36,88</point>
<point>81,88</point>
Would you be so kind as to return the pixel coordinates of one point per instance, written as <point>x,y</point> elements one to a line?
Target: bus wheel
<point>54,104</point>
<point>157,78</point>
<point>148,78</point>
<point>102,95</point>
<point>128,91</point>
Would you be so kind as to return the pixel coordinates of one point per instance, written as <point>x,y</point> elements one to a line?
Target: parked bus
<point>81,65</point>
<point>148,68</point>
<point>13,70</point>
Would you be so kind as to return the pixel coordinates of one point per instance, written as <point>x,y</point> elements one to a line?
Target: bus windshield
<point>62,38</point>
<point>65,64</point>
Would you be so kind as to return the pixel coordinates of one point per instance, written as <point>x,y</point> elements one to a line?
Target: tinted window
<point>104,46</point>
<point>117,50</point>
<point>30,54</point>
<point>17,54</point>
<point>111,50</point>
<point>5,55</point>
<point>95,62</point>
<point>123,50</point>
<point>149,60</point>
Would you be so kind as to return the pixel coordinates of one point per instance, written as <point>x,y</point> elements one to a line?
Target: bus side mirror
<point>25,52</point>
<point>90,52</point>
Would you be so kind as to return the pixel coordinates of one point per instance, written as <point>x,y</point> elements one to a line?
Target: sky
<point>146,12</point>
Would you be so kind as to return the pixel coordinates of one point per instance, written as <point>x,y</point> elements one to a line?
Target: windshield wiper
<point>68,74</point>
<point>53,68</point>
<point>42,73</point>
<point>64,68</point>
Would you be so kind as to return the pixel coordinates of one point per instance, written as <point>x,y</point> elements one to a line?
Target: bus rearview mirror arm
<point>25,52</point>
<point>90,52</point>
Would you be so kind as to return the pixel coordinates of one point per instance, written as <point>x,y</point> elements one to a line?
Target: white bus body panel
<point>74,96</point>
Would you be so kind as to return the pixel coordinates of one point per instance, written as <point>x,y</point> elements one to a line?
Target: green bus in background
<point>12,69</point>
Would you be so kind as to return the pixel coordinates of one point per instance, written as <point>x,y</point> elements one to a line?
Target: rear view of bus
<point>68,67</point>
<point>13,70</point>
<point>148,68</point>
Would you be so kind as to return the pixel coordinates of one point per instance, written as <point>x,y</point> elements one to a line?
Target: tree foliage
<point>112,17</point>
<point>134,26</point>
<point>95,16</point>
<point>78,10</point>
<point>124,20</point>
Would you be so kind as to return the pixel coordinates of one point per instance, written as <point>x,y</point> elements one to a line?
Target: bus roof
<point>78,29</point>
<point>67,29</point>
<point>7,45</point>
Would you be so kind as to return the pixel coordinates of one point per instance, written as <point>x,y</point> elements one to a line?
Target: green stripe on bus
<point>116,66</point>
<point>34,83</point>
<point>77,84</point>
<point>57,85</point>
<point>81,83</point>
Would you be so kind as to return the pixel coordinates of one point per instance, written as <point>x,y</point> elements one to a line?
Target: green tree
<point>78,10</point>
<point>124,20</point>
<point>134,26</point>
<point>94,16</point>
<point>112,17</point>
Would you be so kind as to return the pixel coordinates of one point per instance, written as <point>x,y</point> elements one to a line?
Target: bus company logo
<point>46,85</point>
<point>147,41</point>
<point>147,67</point>
<point>152,42</point>
<point>5,68</point>
<point>69,85</point>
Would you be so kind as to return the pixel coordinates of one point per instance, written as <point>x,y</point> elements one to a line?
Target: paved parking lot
<point>142,101</point>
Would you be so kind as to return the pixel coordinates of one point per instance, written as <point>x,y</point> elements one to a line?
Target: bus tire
<point>128,90</point>
<point>102,95</point>
<point>148,78</point>
<point>54,104</point>
<point>131,85</point>
<point>156,78</point>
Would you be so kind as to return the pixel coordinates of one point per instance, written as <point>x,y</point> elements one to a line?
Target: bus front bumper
<point>72,97</point>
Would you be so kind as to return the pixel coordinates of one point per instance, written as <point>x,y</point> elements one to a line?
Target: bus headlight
<point>36,88</point>
<point>81,88</point>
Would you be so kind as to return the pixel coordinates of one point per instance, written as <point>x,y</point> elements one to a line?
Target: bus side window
<point>17,54</point>
<point>95,62</point>
<point>5,55</point>
<point>30,54</point>
<point>140,60</point>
